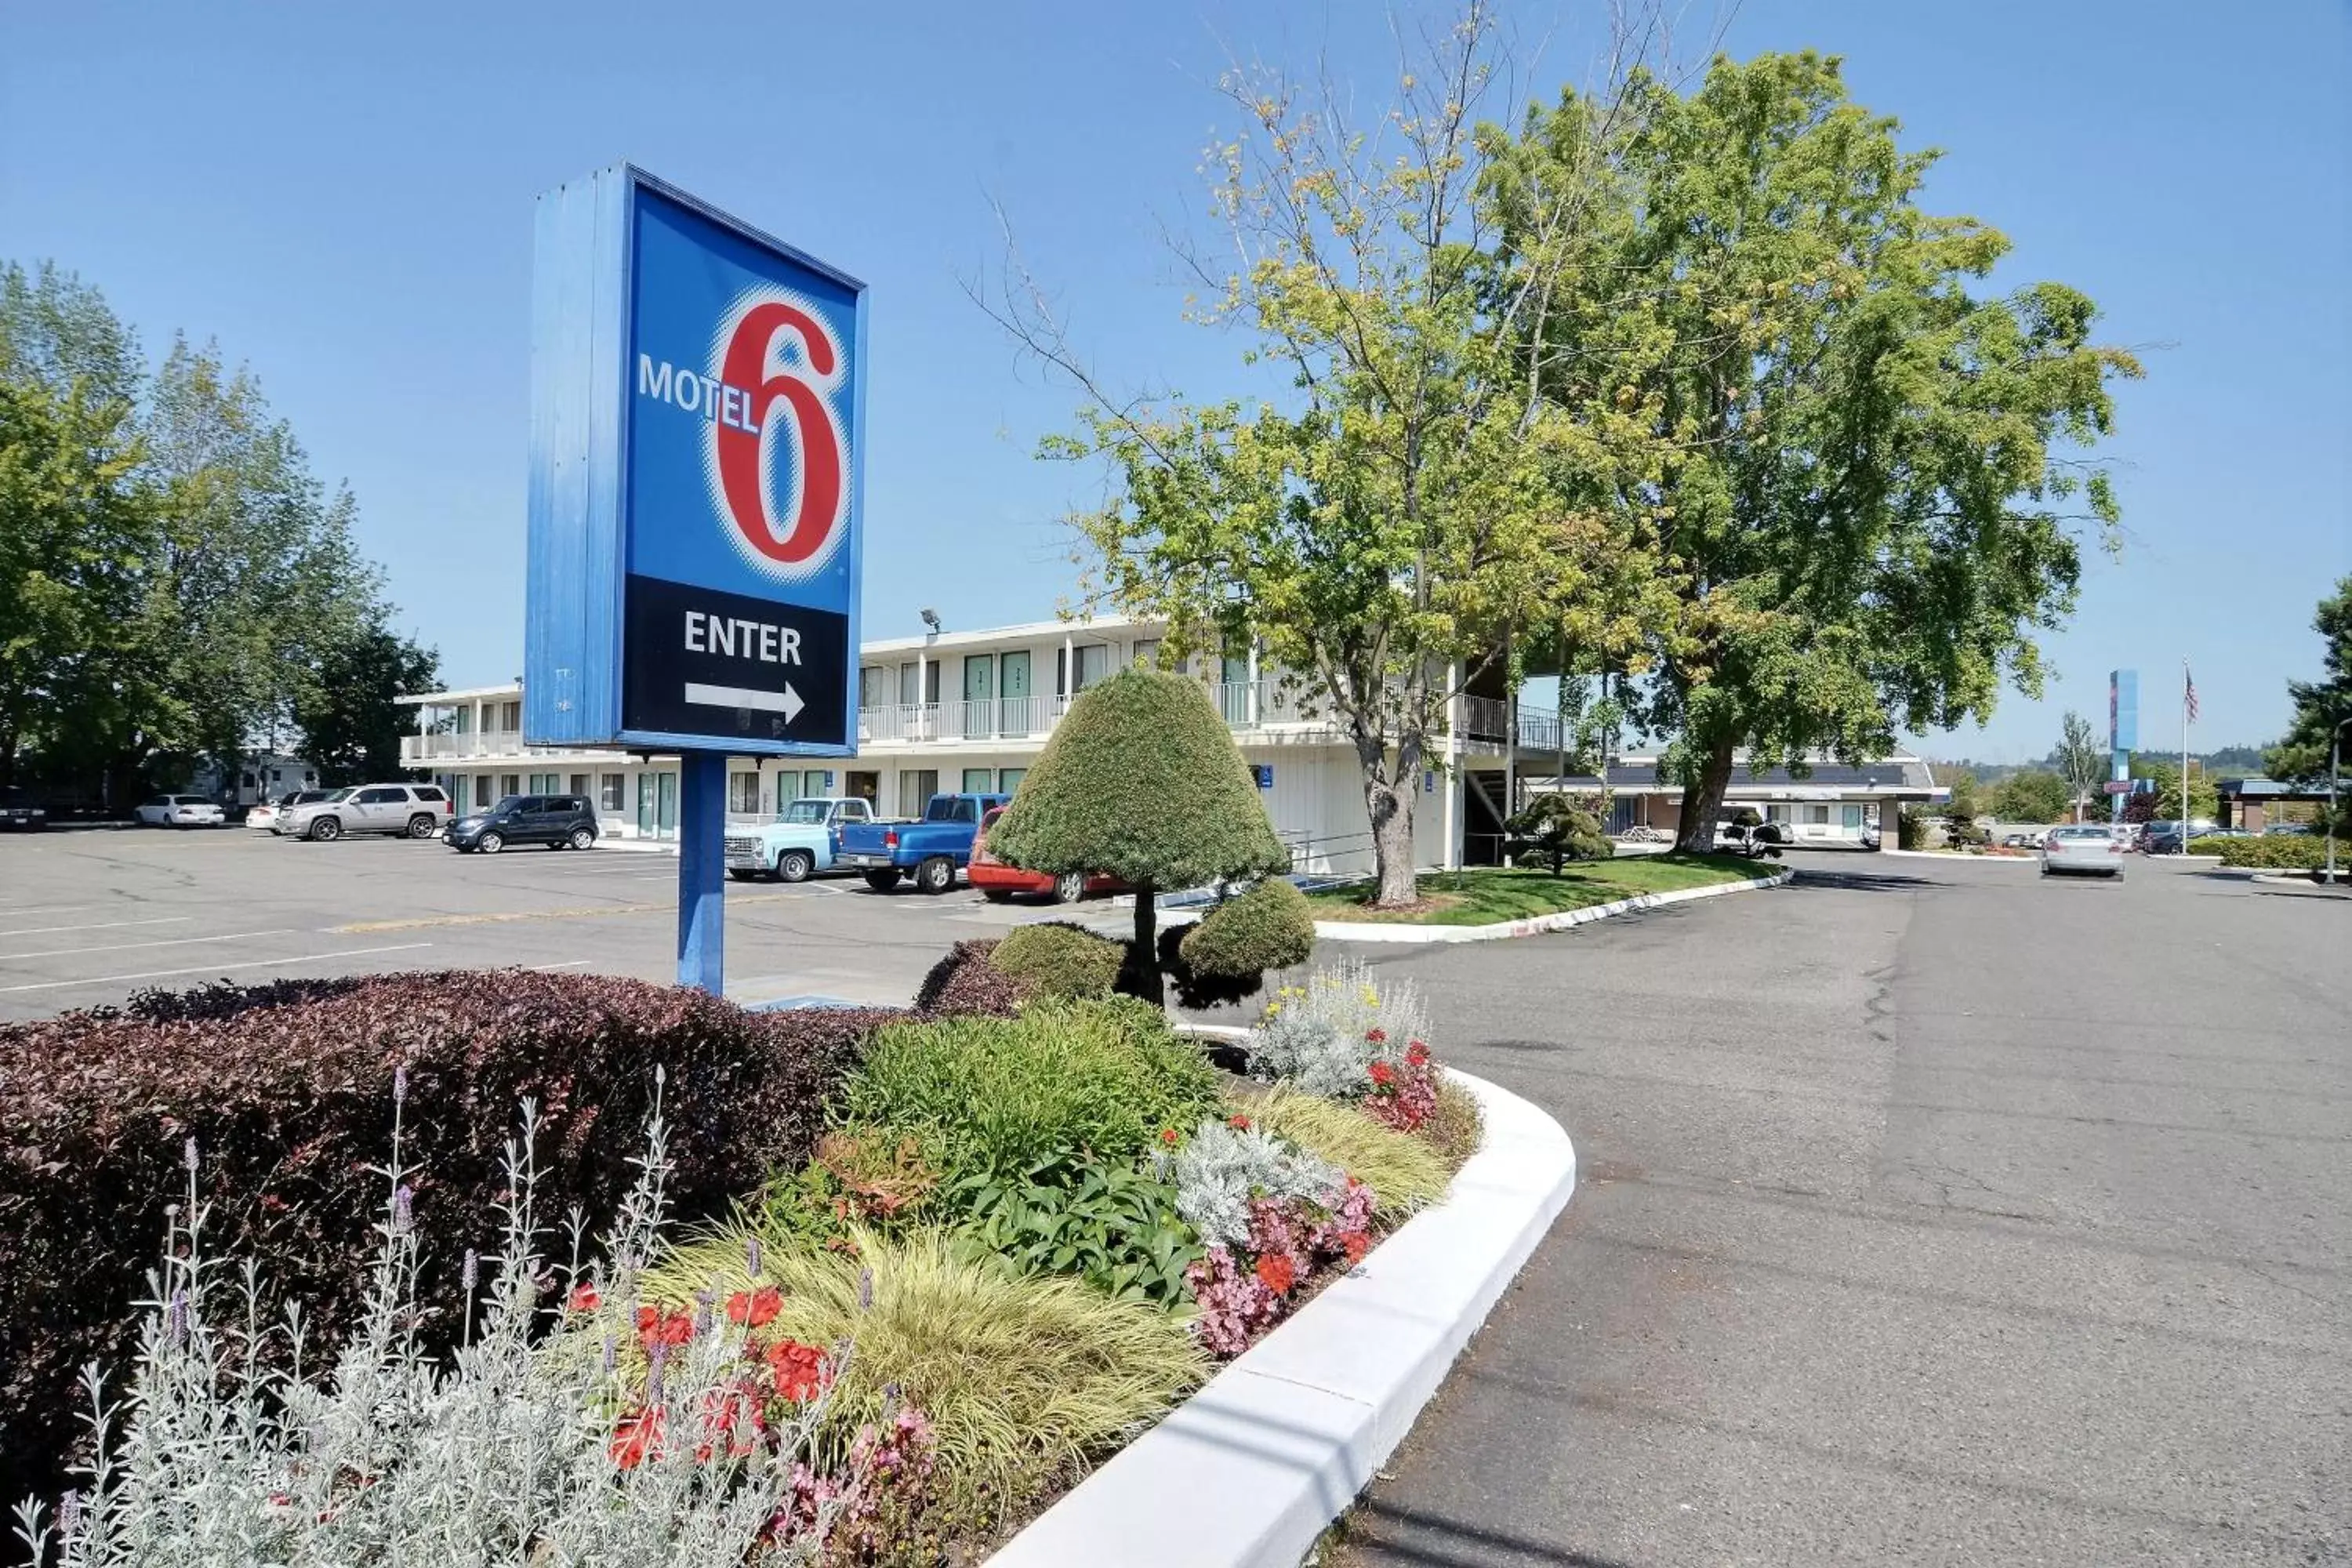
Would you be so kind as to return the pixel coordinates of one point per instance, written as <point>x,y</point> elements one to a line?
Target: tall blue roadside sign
<point>2122,733</point>
<point>697,429</point>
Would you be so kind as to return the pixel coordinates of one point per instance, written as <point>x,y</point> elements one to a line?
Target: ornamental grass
<point>1027,1380</point>
<point>1405,1172</point>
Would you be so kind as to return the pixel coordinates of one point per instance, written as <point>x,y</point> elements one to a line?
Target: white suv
<point>420,811</point>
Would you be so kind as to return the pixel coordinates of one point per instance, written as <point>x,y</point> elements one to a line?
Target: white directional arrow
<point>787,702</point>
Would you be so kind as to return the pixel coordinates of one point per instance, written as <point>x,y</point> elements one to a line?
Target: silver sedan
<point>2086,846</point>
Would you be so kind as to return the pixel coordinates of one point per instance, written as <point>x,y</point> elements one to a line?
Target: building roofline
<point>464,694</point>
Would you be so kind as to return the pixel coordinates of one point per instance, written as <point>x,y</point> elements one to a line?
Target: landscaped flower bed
<point>1021,1234</point>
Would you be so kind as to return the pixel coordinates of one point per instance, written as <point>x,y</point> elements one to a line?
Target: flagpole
<point>2185,678</point>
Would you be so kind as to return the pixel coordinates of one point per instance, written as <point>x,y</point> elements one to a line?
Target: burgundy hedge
<point>286,1089</point>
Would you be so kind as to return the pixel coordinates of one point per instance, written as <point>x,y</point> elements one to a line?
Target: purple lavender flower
<point>751,1257</point>
<point>656,1357</point>
<point>188,1156</point>
<point>175,1320</point>
<point>69,1513</point>
<point>612,1355</point>
<point>402,1218</point>
<point>400,1084</point>
<point>473,1265</point>
<point>865,1290</point>
<point>702,1300</point>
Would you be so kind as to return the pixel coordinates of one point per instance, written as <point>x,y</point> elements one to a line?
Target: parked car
<point>2093,848</point>
<point>19,812</point>
<point>930,850</point>
<point>417,810</point>
<point>180,811</point>
<point>2021,840</point>
<point>558,821</point>
<point>267,813</point>
<point>998,882</point>
<point>803,839</point>
<point>2296,829</point>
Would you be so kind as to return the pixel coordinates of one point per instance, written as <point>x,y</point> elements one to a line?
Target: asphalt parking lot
<point>90,916</point>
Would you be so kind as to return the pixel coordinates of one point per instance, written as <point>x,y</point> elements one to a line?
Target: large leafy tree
<point>349,724</point>
<point>174,580</point>
<point>1873,499</point>
<point>1389,512</point>
<point>2081,760</point>
<point>2030,795</point>
<point>2320,705</point>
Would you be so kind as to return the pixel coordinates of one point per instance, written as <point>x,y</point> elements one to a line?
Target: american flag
<point>2192,692</point>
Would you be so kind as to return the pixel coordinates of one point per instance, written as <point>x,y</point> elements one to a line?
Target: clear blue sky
<point>342,196</point>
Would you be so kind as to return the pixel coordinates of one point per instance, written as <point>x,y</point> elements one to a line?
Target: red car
<point>998,882</point>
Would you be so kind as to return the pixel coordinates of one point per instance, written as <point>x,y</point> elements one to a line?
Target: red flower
<point>757,1307</point>
<point>799,1369</point>
<point>637,1439</point>
<point>1377,1037</point>
<point>729,1419</point>
<point>1278,1273</point>
<point>583,1299</point>
<point>1417,1054</point>
<point>1383,1074</point>
<point>1167,1136</point>
<point>1239,1123</point>
<point>675,1329</point>
<point>1355,1244</point>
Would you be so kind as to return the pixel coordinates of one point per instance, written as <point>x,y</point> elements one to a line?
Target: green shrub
<point>1025,1378</point>
<point>1404,1171</point>
<point>1911,828</point>
<point>1002,1095</point>
<point>1553,829</point>
<point>1054,958</point>
<point>287,1091</point>
<point>1115,1226</point>
<point>1268,927</point>
<point>2276,851</point>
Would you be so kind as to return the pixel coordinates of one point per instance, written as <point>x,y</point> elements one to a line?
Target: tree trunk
<point>1143,954</point>
<point>1703,801</point>
<point>1390,807</point>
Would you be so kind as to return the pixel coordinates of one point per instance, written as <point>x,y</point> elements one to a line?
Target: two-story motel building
<point>971,710</point>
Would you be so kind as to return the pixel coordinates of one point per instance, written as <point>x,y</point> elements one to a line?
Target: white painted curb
<point>1248,1471</point>
<point>1399,931</point>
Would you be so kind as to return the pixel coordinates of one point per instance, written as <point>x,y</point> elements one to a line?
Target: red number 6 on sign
<point>812,445</point>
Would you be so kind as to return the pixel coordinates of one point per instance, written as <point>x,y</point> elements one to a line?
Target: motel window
<point>1146,652</point>
<point>1850,816</point>
<point>544,784</point>
<point>579,784</point>
<point>1094,663</point>
<point>509,716</point>
<point>612,791</point>
<point>1009,779</point>
<point>509,784</point>
<point>916,787</point>
<point>1818,815</point>
<point>925,670</point>
<point>744,793</point>
<point>788,788</point>
<point>873,686</point>
<point>481,790</point>
<point>979,781</point>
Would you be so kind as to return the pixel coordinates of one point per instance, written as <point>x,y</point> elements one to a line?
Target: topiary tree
<point>1142,781</point>
<point>1055,958</point>
<point>1553,829</point>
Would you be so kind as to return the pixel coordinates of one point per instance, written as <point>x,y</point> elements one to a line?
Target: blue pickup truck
<point>930,851</point>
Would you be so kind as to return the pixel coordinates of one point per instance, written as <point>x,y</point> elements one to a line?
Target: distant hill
<point>2229,762</point>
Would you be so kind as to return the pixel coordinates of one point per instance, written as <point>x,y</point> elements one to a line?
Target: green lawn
<point>1488,896</point>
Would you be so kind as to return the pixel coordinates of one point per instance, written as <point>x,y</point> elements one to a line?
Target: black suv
<point>558,821</point>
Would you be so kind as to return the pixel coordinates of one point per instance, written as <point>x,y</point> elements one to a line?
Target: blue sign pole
<point>702,871</point>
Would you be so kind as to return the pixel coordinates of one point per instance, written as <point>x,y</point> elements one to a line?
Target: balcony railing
<point>1244,704</point>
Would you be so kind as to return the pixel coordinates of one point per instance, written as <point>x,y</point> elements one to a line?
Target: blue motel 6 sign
<point>697,395</point>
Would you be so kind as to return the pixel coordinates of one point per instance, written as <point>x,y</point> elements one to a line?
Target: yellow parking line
<point>503,917</point>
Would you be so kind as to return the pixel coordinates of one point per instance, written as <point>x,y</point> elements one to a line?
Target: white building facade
<point>971,710</point>
<point>957,711</point>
